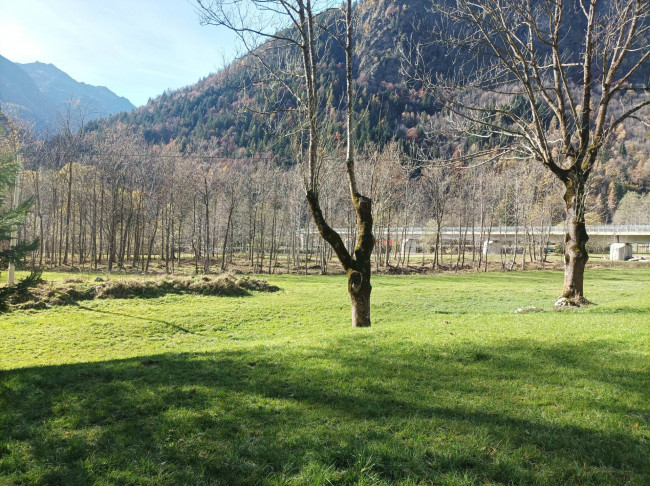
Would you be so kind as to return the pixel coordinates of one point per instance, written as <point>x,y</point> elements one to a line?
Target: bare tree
<point>256,23</point>
<point>533,95</point>
<point>437,185</point>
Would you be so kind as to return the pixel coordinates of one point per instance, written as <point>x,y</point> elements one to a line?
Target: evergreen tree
<point>10,218</point>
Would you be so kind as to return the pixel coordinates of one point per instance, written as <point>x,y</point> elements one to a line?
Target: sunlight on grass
<point>449,386</point>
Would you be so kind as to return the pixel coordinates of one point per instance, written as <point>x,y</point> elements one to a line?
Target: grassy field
<point>449,386</point>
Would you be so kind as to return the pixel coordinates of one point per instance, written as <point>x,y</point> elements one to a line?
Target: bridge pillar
<point>620,251</point>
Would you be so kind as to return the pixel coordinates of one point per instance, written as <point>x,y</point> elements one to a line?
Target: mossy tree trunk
<point>575,242</point>
<point>359,286</point>
<point>359,289</point>
<point>357,267</point>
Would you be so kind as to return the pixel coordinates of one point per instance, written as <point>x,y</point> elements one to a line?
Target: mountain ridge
<point>36,92</point>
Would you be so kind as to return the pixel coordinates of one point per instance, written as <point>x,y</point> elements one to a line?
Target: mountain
<point>36,92</point>
<point>222,111</point>
<point>218,113</point>
<point>20,96</point>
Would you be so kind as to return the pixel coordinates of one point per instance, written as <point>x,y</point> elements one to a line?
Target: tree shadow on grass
<point>175,327</point>
<point>342,412</point>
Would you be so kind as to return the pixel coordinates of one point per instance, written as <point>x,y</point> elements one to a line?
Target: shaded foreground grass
<point>449,386</point>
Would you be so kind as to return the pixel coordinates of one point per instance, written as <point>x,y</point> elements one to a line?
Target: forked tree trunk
<point>359,285</point>
<point>358,268</point>
<point>575,242</point>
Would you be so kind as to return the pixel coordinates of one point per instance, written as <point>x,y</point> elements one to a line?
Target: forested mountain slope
<point>213,111</point>
<point>217,112</point>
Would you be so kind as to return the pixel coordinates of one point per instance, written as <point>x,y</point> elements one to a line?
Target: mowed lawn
<point>449,386</point>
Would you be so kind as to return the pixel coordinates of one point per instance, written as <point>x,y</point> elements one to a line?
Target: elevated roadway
<point>603,234</point>
<point>505,235</point>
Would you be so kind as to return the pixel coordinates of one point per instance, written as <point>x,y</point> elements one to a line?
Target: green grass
<point>449,386</point>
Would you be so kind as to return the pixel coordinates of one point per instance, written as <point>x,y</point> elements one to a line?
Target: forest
<point>108,200</point>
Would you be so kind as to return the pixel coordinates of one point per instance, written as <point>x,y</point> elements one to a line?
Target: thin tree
<point>255,21</point>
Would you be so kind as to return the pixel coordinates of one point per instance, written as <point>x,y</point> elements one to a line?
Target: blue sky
<point>137,48</point>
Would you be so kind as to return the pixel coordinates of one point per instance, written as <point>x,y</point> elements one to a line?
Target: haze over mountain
<point>36,92</point>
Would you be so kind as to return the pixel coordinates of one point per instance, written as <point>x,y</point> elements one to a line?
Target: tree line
<point>112,202</point>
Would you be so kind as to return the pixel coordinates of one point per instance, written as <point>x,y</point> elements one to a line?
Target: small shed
<point>620,251</point>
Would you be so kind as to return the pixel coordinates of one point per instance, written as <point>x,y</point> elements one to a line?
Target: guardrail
<point>603,230</point>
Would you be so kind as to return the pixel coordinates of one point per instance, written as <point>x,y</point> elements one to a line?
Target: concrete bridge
<point>501,236</point>
<point>602,234</point>
<point>610,232</point>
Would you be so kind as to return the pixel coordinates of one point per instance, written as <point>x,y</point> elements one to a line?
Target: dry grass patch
<point>72,290</point>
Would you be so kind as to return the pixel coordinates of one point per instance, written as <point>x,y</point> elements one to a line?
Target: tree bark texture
<point>575,242</point>
<point>359,286</point>
<point>358,268</point>
<point>359,289</point>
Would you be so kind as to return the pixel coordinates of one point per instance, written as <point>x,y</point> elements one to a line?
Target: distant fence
<point>605,230</point>
<point>417,233</point>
